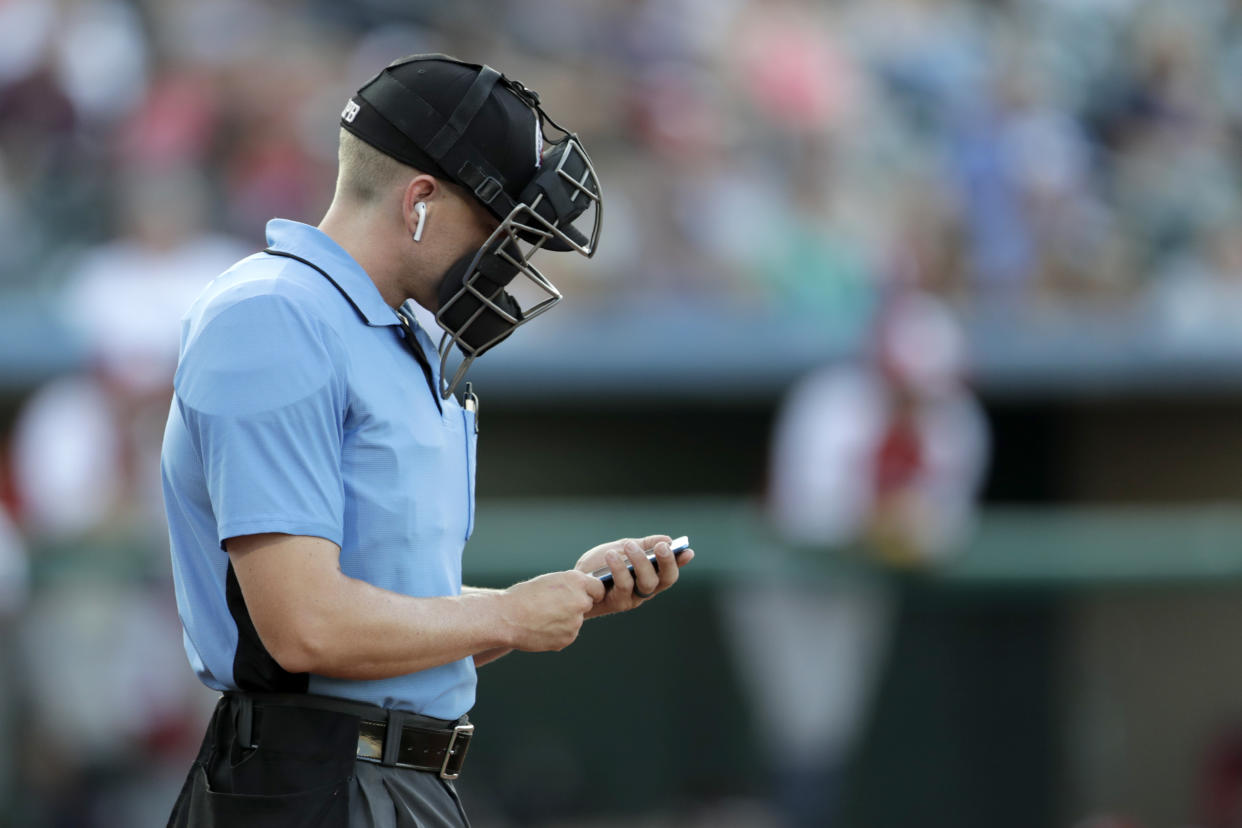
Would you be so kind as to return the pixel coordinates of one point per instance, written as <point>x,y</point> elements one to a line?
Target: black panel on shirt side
<point>253,666</point>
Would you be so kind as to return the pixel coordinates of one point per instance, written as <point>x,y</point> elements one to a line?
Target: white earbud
<point>421,209</point>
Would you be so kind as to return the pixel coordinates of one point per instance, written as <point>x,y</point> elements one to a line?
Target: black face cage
<point>565,202</point>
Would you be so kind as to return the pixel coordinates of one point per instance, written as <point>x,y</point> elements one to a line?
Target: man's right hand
<point>546,613</point>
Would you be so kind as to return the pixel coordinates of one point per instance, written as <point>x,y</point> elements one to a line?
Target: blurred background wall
<point>1058,179</point>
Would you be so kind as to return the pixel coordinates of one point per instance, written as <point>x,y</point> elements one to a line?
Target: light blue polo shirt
<point>298,409</point>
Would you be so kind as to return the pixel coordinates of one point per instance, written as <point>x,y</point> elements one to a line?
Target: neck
<point>364,238</point>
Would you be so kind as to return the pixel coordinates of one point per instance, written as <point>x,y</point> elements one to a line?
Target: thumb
<point>595,588</point>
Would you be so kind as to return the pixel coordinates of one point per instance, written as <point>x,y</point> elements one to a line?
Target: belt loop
<point>392,737</point>
<point>245,721</point>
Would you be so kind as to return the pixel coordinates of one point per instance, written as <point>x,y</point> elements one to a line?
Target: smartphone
<point>678,546</point>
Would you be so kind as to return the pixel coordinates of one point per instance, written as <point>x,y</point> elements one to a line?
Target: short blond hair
<point>365,173</point>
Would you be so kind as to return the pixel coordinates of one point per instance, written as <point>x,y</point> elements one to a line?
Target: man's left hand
<point>628,591</point>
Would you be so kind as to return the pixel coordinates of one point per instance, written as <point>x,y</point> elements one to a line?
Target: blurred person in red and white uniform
<point>889,451</point>
<point>886,455</point>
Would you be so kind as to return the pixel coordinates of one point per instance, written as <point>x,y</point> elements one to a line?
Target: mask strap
<point>467,108</point>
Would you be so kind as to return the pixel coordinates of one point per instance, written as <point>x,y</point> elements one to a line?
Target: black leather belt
<point>388,737</point>
<point>436,751</point>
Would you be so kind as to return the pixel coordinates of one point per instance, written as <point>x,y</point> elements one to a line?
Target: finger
<point>645,577</point>
<point>668,571</point>
<point>593,558</point>
<point>617,564</point>
<point>650,541</point>
<point>596,589</point>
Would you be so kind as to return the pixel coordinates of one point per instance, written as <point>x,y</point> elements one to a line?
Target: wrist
<point>495,609</point>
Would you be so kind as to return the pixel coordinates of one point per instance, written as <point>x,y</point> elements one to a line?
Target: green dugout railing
<point>1029,546</point>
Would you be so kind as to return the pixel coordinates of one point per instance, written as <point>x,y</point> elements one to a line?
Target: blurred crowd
<point>763,157</point>
<point>770,155</point>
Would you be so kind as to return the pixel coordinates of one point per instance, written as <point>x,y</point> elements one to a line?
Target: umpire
<point>319,466</point>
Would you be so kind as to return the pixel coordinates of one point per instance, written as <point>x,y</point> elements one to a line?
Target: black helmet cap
<point>461,121</point>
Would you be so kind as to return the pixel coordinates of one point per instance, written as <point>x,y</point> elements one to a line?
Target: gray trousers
<point>381,797</point>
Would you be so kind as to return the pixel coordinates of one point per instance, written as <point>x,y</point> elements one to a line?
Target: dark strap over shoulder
<point>407,325</point>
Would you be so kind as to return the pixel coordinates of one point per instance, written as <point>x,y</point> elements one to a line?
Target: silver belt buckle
<point>460,730</point>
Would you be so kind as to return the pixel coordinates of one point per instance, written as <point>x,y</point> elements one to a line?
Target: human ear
<point>415,203</point>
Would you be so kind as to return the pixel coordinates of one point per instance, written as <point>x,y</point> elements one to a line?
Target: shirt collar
<point>314,245</point>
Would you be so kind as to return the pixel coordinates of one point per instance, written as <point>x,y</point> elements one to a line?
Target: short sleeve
<point>261,391</point>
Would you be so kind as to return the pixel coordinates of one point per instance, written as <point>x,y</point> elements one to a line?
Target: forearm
<point>359,631</point>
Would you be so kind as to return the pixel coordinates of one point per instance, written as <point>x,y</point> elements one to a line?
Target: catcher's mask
<point>471,125</point>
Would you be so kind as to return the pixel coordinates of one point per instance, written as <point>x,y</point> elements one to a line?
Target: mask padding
<point>459,304</point>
